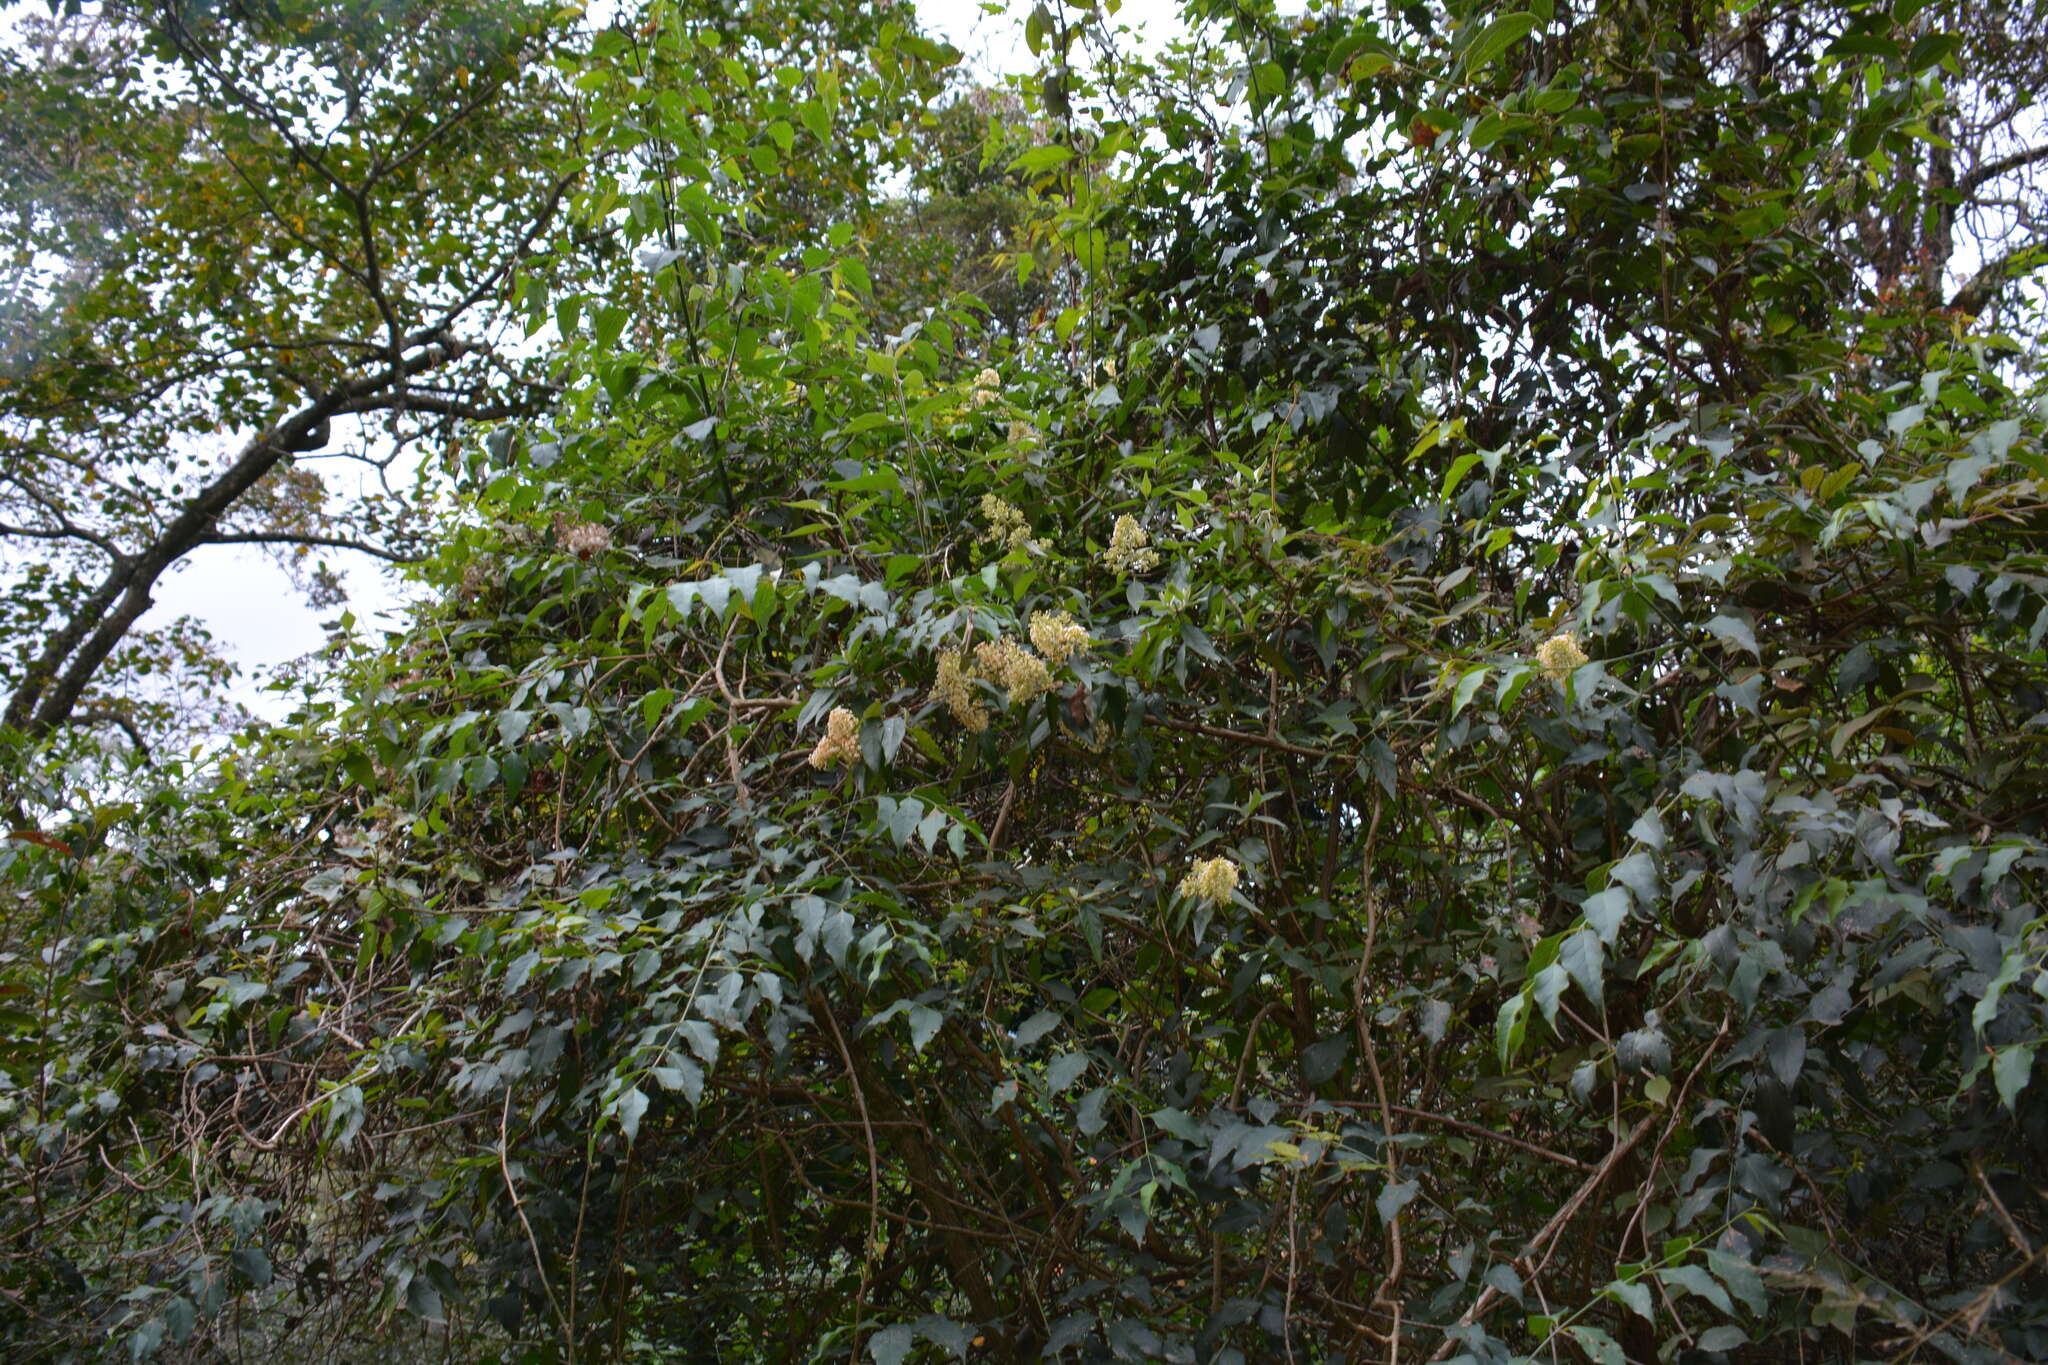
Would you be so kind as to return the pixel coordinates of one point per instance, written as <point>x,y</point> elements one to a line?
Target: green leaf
<point>1600,1348</point>
<point>1932,50</point>
<point>890,1345</point>
<point>746,581</point>
<point>1695,1280</point>
<point>683,1076</point>
<point>1512,680</point>
<point>924,1023</point>
<point>816,118</point>
<point>1269,81</point>
<point>1606,911</point>
<point>1582,957</point>
<point>1468,686</point>
<point>1785,1049</point>
<point>1064,1070</point>
<point>1042,159</point>
<point>1741,1280</point>
<point>716,593</point>
<point>1509,1027</point>
<point>1493,40</point>
<point>630,1107</point>
<point>1638,872</point>
<point>611,320</point>
<point>1395,1196</point>
<point>899,818</point>
<point>1734,633</point>
<point>1320,1060</point>
<point>881,480</point>
<point>1036,1027</point>
<point>2010,1070</point>
<point>653,705</point>
<point>252,1264</point>
<point>1636,1295</point>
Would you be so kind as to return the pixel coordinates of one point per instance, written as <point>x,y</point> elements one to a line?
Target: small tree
<point>247,235</point>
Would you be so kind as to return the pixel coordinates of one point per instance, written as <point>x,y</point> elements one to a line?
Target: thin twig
<point>532,1242</point>
<point>867,1127</point>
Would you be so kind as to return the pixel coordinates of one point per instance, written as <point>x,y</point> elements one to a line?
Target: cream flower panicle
<point>1006,525</point>
<point>955,691</point>
<point>841,743</point>
<point>1560,656</point>
<point>988,387</point>
<point>1055,635</point>
<point>1211,879</point>
<point>1012,667</point>
<point>1128,552</point>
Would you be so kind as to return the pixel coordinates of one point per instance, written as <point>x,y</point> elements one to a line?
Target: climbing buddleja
<point>1314,810</point>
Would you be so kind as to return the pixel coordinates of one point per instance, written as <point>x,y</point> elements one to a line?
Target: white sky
<point>250,606</point>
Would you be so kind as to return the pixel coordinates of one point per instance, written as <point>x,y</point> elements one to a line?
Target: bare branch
<point>107,715</point>
<point>1983,287</point>
<point>416,401</point>
<point>59,676</point>
<point>295,538</point>
<point>1998,166</point>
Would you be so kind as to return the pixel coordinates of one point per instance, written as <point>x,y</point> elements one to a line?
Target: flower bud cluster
<point>841,743</point>
<point>1127,552</point>
<point>1211,879</point>
<point>988,387</point>
<point>1013,668</point>
<point>955,691</point>
<point>1008,664</point>
<point>1006,525</point>
<point>1560,656</point>
<point>1056,635</point>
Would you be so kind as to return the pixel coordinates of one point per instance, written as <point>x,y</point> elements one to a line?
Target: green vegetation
<point>1370,690</point>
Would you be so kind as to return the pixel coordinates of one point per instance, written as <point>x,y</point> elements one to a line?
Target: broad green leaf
<point>1600,1348</point>
<point>2011,1068</point>
<point>1064,1070</point>
<point>1495,38</point>
<point>1395,1196</point>
<point>890,1345</point>
<point>1468,687</point>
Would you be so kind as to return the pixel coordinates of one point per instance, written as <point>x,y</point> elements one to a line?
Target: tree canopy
<point>1369,688</point>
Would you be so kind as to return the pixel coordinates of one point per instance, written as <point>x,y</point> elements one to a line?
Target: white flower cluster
<point>1006,525</point>
<point>1008,664</point>
<point>955,690</point>
<point>841,743</point>
<point>988,387</point>
<point>1560,656</point>
<point>1128,552</point>
<point>1211,879</point>
<point>1013,668</point>
<point>1057,636</point>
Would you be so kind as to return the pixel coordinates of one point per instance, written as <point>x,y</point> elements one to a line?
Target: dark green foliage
<point>1540,856</point>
